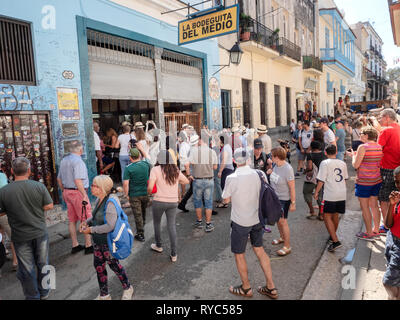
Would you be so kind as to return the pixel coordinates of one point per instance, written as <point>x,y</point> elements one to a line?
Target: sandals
<point>277,241</point>
<point>284,251</point>
<point>312,216</point>
<point>268,292</point>
<point>222,205</point>
<point>239,291</point>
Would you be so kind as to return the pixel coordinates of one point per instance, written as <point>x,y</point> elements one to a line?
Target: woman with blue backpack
<point>103,222</point>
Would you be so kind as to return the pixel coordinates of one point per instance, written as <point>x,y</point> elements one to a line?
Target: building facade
<point>376,71</point>
<point>279,71</point>
<point>67,64</point>
<point>337,49</point>
<point>394,11</point>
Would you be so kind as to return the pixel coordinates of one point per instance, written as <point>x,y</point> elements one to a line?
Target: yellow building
<point>280,69</point>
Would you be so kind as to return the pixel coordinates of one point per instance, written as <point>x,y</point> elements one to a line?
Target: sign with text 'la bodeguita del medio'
<point>209,25</point>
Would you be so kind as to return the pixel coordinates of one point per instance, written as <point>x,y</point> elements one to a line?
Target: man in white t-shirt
<point>242,188</point>
<point>329,136</point>
<point>332,176</point>
<point>97,147</point>
<point>305,138</point>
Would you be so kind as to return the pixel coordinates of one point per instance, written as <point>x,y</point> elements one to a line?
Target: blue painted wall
<point>56,50</point>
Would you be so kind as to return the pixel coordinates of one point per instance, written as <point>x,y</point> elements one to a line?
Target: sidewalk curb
<point>361,262</point>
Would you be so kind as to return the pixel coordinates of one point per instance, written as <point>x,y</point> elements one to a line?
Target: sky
<point>377,13</point>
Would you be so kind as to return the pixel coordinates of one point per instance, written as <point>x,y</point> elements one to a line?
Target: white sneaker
<point>107,297</point>
<point>128,293</point>
<point>155,248</point>
<point>174,258</point>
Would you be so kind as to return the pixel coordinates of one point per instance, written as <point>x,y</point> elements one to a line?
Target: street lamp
<point>235,55</point>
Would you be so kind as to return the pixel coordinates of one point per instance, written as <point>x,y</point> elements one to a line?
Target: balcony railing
<point>329,86</point>
<point>288,48</point>
<point>312,62</point>
<point>261,34</point>
<point>334,55</point>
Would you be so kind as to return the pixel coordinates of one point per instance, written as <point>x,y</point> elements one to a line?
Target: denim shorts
<point>285,207</point>
<point>240,236</point>
<point>392,254</point>
<point>203,189</point>
<point>368,191</point>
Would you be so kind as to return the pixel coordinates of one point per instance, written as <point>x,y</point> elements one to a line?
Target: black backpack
<point>270,209</point>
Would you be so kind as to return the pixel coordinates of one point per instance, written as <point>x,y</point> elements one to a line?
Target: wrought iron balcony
<point>312,62</point>
<point>261,34</point>
<point>288,48</point>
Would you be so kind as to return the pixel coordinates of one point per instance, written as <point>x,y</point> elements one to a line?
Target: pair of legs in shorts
<point>332,209</point>
<point>6,230</point>
<point>387,187</point>
<point>239,238</point>
<point>73,199</point>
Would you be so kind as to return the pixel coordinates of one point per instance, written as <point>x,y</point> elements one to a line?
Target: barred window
<point>16,52</point>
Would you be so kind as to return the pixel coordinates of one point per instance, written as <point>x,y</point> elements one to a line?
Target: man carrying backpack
<point>242,188</point>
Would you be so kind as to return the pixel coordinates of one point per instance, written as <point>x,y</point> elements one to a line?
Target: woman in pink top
<point>167,177</point>
<point>366,160</point>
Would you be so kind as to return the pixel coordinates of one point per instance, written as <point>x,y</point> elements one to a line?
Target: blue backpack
<point>270,209</point>
<point>120,240</point>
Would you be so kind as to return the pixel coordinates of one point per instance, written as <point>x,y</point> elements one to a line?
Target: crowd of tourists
<point>162,171</point>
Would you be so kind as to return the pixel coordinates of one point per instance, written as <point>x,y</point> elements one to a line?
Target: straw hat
<point>235,129</point>
<point>262,128</point>
<point>138,125</point>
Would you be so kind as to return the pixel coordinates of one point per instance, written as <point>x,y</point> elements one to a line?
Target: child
<point>332,176</point>
<point>314,160</point>
<point>391,278</point>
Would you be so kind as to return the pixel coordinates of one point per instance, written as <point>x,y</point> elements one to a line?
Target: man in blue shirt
<point>340,140</point>
<point>73,181</point>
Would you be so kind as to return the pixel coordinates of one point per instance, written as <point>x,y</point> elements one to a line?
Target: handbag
<point>154,188</point>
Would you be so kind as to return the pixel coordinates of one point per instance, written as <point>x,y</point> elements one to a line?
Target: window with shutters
<point>16,52</point>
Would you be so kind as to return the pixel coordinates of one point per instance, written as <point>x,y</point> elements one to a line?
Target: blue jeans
<point>203,188</point>
<point>124,161</point>
<point>32,256</point>
<point>340,155</point>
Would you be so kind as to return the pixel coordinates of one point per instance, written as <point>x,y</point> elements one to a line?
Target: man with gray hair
<point>389,139</point>
<point>73,181</point>
<point>24,202</point>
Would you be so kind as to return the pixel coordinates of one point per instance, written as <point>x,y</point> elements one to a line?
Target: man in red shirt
<point>391,278</point>
<point>389,139</point>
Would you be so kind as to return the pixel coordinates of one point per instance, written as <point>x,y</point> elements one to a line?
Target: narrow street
<point>205,268</point>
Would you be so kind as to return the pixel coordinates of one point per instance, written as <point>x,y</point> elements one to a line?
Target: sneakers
<point>89,250</point>
<point>214,213</point>
<point>383,230</point>
<point>267,230</point>
<point>182,207</point>
<point>297,174</point>
<point>209,227</point>
<point>128,293</point>
<point>334,245</point>
<point>174,258</point>
<point>155,248</point>
<point>139,237</point>
<point>330,241</point>
<point>107,297</point>
<point>198,224</point>
<point>77,249</point>
<point>45,297</point>
<point>365,236</point>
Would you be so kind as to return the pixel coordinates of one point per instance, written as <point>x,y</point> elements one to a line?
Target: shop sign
<point>68,105</point>
<point>210,25</point>
<point>214,89</point>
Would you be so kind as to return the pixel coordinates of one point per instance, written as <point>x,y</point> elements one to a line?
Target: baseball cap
<point>194,139</point>
<point>324,120</point>
<point>258,143</point>
<point>134,153</point>
<point>241,155</point>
